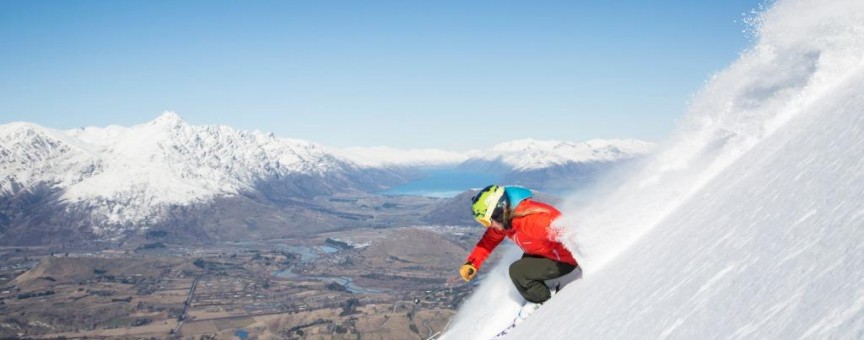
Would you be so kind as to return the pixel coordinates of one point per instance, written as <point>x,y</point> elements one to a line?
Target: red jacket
<point>531,232</point>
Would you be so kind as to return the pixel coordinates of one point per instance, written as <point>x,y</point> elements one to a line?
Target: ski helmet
<point>489,204</point>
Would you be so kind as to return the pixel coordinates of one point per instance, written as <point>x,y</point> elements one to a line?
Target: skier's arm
<point>491,238</point>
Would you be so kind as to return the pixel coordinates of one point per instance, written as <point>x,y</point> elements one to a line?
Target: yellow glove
<point>467,271</point>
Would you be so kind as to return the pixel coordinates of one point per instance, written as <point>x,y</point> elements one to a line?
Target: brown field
<point>394,286</point>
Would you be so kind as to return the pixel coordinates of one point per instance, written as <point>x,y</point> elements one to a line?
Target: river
<point>311,253</point>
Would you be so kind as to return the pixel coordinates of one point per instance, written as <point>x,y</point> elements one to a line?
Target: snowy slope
<point>745,224</point>
<point>31,154</point>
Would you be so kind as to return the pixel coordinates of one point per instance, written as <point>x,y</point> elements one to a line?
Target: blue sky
<point>454,75</point>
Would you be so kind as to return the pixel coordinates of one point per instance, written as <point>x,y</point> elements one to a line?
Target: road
<point>186,306</point>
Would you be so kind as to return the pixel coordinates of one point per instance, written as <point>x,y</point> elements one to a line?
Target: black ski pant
<point>529,272</point>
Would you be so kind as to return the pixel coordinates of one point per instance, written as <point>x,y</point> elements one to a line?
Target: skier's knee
<point>515,273</point>
<point>541,295</point>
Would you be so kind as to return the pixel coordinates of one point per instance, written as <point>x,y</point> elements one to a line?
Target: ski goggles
<point>496,216</point>
<point>483,221</point>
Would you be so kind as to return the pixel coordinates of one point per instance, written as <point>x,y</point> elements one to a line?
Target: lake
<point>443,183</point>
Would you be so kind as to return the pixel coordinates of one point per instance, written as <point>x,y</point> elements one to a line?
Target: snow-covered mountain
<point>546,165</point>
<point>518,155</point>
<point>745,225</point>
<point>117,180</point>
<point>556,166</point>
<point>165,161</point>
<point>126,177</point>
<point>529,154</point>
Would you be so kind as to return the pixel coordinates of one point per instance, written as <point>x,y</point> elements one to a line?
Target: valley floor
<point>368,283</point>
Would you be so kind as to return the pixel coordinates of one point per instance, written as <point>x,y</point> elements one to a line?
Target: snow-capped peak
<point>168,118</point>
<point>522,154</point>
<point>165,161</point>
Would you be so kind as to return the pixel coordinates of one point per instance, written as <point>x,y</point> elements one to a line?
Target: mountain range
<point>108,183</point>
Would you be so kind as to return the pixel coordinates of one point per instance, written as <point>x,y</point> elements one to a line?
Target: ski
<point>504,332</point>
<point>517,320</point>
<point>527,309</point>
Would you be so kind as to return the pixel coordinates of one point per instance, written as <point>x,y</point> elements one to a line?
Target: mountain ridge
<point>111,181</point>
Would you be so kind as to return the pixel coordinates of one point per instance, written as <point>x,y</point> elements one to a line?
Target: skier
<point>510,212</point>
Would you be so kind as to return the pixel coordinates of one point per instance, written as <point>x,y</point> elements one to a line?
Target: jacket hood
<point>516,195</point>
